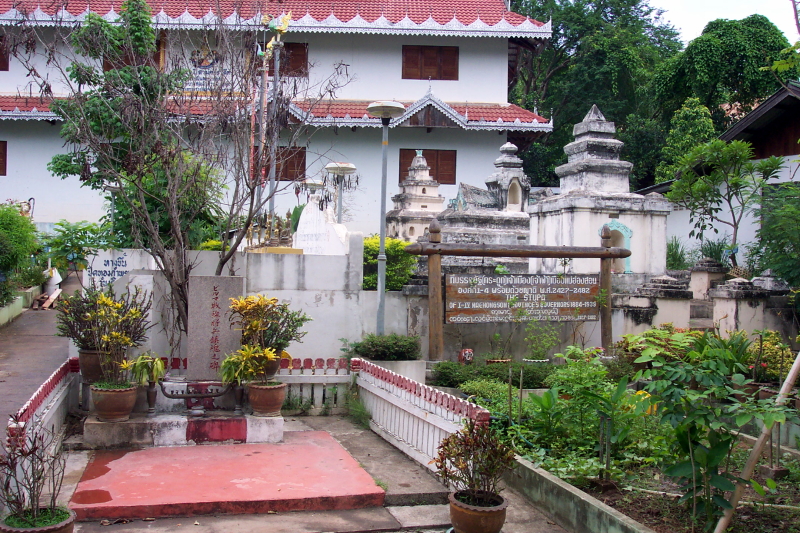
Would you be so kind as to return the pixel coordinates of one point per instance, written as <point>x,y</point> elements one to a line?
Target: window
<point>291,164</point>
<point>294,60</point>
<point>430,62</point>
<point>442,163</point>
<point>3,55</point>
<point>3,157</point>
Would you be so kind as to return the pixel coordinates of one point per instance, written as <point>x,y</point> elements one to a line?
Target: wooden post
<point>435,303</point>
<point>605,293</point>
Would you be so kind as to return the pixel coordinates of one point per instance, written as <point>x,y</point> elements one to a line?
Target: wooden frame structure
<point>435,249</point>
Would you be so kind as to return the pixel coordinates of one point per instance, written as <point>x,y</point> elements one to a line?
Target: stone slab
<point>309,471</point>
<point>210,336</point>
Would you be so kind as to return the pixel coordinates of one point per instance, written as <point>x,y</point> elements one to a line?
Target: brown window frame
<point>436,160</point>
<point>430,62</point>
<point>3,158</point>
<point>297,64</point>
<point>4,59</point>
<point>291,163</point>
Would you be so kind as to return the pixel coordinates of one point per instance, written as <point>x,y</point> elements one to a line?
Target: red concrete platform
<point>309,470</point>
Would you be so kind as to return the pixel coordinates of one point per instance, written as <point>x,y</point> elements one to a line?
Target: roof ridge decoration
<point>527,28</point>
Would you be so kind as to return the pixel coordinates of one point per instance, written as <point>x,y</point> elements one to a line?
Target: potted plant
<point>268,328</point>
<point>32,466</point>
<point>148,369</point>
<point>78,319</point>
<point>116,323</point>
<point>471,462</point>
<point>398,353</point>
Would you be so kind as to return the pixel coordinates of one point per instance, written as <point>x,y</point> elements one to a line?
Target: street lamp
<point>340,170</point>
<point>386,111</point>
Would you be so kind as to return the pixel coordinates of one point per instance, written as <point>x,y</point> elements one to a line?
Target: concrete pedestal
<point>181,430</point>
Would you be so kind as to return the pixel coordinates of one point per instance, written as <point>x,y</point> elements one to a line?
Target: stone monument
<point>595,191</point>
<point>318,233</point>
<point>417,204</point>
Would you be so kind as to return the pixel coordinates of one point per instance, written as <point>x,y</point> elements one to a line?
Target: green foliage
<point>295,218</point>
<point>778,235</point>
<point>17,243</point>
<point>770,356</point>
<point>356,410</point>
<point>690,125</point>
<point>715,249</point>
<point>211,245</point>
<point>577,376</point>
<point>17,238</point>
<point>677,254</point>
<point>643,137</point>
<point>602,53</point>
<point>720,184</point>
<point>74,242</point>
<point>265,323</point>
<point>392,347</point>
<point>399,263</point>
<point>488,389</point>
<point>147,367</point>
<point>541,337</point>
<point>28,275</point>
<point>453,374</point>
<point>724,66</point>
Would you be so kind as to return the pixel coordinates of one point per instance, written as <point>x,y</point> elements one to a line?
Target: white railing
<point>411,416</point>
<point>316,385</point>
<point>52,401</point>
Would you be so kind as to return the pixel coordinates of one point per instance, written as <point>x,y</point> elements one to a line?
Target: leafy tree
<point>690,126</point>
<point>177,152</point>
<point>602,53</point>
<point>724,66</point>
<point>643,138</point>
<point>17,242</point>
<point>779,235</point>
<point>719,183</point>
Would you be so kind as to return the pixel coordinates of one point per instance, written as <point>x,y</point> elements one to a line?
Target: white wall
<point>476,152</point>
<point>679,224</point>
<point>31,145</point>
<point>376,62</point>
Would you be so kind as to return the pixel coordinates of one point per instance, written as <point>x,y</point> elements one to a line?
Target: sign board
<point>471,299</point>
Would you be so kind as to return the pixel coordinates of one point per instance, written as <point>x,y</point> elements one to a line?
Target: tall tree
<point>690,126</point>
<point>602,52</point>
<point>724,68</point>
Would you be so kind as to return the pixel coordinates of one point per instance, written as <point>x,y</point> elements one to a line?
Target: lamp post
<point>340,170</point>
<point>386,111</point>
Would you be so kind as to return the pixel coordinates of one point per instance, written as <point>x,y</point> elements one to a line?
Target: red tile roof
<point>24,103</point>
<point>351,15</point>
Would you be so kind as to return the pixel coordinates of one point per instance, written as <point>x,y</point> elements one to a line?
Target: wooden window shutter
<point>3,55</point>
<point>292,164</point>
<point>159,57</point>
<point>294,60</point>
<point>3,158</point>
<point>449,63</point>
<point>446,167</point>
<point>431,63</point>
<point>412,62</point>
<point>406,157</point>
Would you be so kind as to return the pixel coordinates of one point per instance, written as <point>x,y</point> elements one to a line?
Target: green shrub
<point>452,374</point>
<point>30,275</point>
<point>488,389</point>
<point>212,245</point>
<point>73,243</point>
<point>677,254</point>
<point>399,263</point>
<point>17,242</point>
<point>391,347</point>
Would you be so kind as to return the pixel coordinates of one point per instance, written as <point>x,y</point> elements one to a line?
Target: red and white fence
<point>412,416</point>
<point>51,402</point>
<point>316,385</point>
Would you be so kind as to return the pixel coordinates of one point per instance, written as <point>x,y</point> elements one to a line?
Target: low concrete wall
<point>569,507</point>
<point>29,295</point>
<point>11,311</point>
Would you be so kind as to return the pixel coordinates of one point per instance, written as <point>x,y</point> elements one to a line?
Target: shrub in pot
<point>471,462</point>
<point>392,347</point>
<point>268,328</point>
<point>117,323</point>
<point>79,318</point>
<point>32,466</point>
<point>148,369</point>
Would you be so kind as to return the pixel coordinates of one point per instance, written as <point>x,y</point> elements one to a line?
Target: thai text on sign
<point>522,297</point>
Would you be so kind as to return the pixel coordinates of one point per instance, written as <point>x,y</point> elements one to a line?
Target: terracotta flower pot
<point>266,399</point>
<point>62,527</point>
<point>89,360</point>
<point>114,405</point>
<point>474,519</point>
<point>271,368</point>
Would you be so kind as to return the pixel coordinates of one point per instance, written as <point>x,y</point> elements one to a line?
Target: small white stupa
<point>417,204</point>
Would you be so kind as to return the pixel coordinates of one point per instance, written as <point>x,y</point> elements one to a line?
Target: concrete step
<point>308,471</point>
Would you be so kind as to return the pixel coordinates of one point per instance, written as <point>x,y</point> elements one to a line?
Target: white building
<point>448,62</point>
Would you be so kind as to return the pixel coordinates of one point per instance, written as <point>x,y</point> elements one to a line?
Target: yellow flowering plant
<point>117,324</point>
